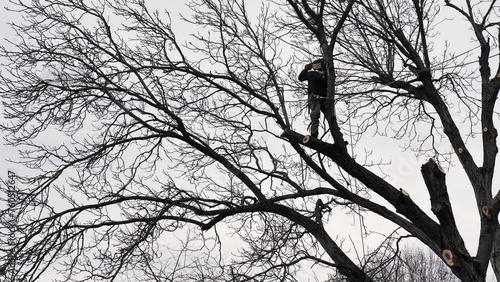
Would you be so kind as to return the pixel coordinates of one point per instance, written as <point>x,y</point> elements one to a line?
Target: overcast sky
<point>405,168</point>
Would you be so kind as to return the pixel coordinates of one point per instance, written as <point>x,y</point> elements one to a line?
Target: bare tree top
<point>139,128</point>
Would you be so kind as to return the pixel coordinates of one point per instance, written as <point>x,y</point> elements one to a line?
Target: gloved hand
<point>308,67</point>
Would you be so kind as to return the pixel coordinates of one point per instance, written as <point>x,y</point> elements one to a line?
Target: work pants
<point>316,106</point>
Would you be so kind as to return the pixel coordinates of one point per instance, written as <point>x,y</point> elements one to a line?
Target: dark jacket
<point>316,82</point>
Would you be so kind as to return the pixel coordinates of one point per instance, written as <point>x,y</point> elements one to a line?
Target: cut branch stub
<point>435,181</point>
<point>440,168</point>
<point>306,139</point>
<point>486,211</point>
<point>404,192</point>
<point>448,257</point>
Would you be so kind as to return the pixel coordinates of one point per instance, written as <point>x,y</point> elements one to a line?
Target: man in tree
<point>142,144</point>
<point>314,73</point>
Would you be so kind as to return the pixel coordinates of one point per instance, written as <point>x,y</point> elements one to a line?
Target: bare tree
<point>424,266</point>
<point>137,133</point>
<point>406,265</point>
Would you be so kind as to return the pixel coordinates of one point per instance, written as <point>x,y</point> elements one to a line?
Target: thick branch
<point>401,202</point>
<point>435,181</point>
<point>454,252</point>
<point>346,266</point>
<point>369,205</point>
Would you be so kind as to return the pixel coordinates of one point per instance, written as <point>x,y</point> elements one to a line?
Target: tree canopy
<point>172,146</point>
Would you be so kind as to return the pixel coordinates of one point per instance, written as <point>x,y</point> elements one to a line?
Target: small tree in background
<point>137,133</point>
<point>420,266</point>
<point>406,265</point>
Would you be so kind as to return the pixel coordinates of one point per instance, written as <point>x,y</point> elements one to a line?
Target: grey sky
<point>405,167</point>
